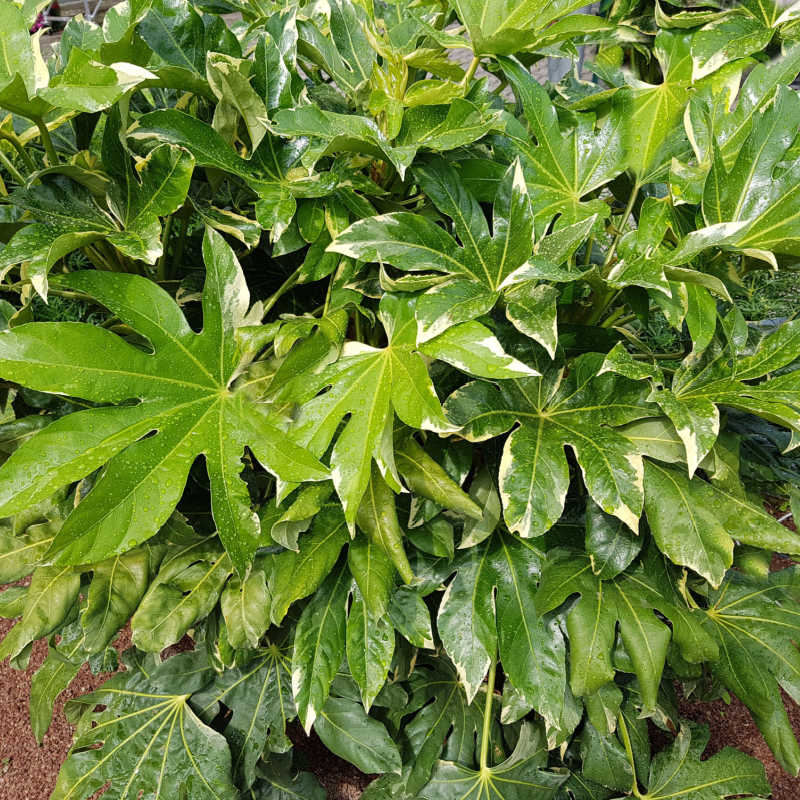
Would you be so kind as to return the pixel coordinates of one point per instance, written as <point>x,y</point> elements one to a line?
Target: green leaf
<point>561,171</point>
<point>610,544</point>
<point>276,783</point>
<point>377,518</point>
<point>629,601</point>
<point>292,575</point>
<point>755,622</point>
<point>694,522</point>
<point>426,478</point>
<point>411,617</point>
<point>319,645</point>
<point>185,590</point>
<point>229,79</point>
<point>531,309</point>
<point>266,173</point>
<point>259,696</point>
<point>521,776</point>
<point>678,771</point>
<point>751,192</point>
<point>21,551</point>
<point>373,571</point>
<point>245,606</point>
<point>443,724</point>
<point>370,647</point>
<point>489,608</point>
<point>330,132</point>
<point>473,348</point>
<point>118,586</point>
<point>506,26</point>
<point>113,746</point>
<point>62,664</point>
<point>370,385</point>
<point>49,599</point>
<point>728,39</point>
<point>345,729</point>
<point>578,409</point>
<point>275,59</point>
<point>89,86</point>
<point>479,267</point>
<point>653,133</point>
<point>177,36</point>
<point>604,759</point>
<point>344,52</point>
<point>446,127</point>
<point>716,376</point>
<point>184,394</point>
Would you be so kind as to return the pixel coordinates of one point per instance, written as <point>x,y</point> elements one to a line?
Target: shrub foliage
<point>414,389</point>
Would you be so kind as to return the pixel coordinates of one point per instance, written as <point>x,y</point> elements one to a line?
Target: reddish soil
<point>28,771</point>
<point>732,726</point>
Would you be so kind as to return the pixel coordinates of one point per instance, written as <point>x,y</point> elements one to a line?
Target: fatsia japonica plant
<point>415,390</point>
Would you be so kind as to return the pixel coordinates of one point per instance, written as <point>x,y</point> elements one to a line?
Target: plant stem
<point>52,156</point>
<point>96,257</point>
<point>620,229</point>
<point>623,321</point>
<point>282,289</point>
<point>487,716</point>
<point>328,294</point>
<point>613,317</point>
<point>12,170</point>
<point>177,256</point>
<point>161,267</point>
<point>473,65</point>
<point>20,148</point>
<point>626,740</point>
<point>587,259</point>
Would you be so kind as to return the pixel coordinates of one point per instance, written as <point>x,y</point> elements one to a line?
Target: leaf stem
<point>473,65</point>
<point>12,170</point>
<point>626,740</point>
<point>49,148</point>
<point>161,267</point>
<point>587,259</point>
<point>620,229</point>
<point>607,323</point>
<point>613,317</point>
<point>282,289</point>
<point>328,295</point>
<point>487,715</point>
<point>20,148</point>
<point>96,257</point>
<point>177,257</point>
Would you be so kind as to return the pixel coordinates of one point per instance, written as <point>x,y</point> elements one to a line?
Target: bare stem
<point>49,148</point>
<point>20,148</point>
<point>282,289</point>
<point>12,170</point>
<point>473,65</point>
<point>626,740</point>
<point>487,715</point>
<point>161,267</point>
<point>620,229</point>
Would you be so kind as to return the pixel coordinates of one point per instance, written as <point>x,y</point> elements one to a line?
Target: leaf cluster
<point>334,352</point>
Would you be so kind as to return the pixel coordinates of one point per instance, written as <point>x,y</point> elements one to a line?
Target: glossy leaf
<point>183,389</point>
<point>137,720</point>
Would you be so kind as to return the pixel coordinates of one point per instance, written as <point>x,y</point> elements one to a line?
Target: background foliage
<point>436,404</point>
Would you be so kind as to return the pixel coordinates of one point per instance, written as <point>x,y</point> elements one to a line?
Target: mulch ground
<point>28,771</point>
